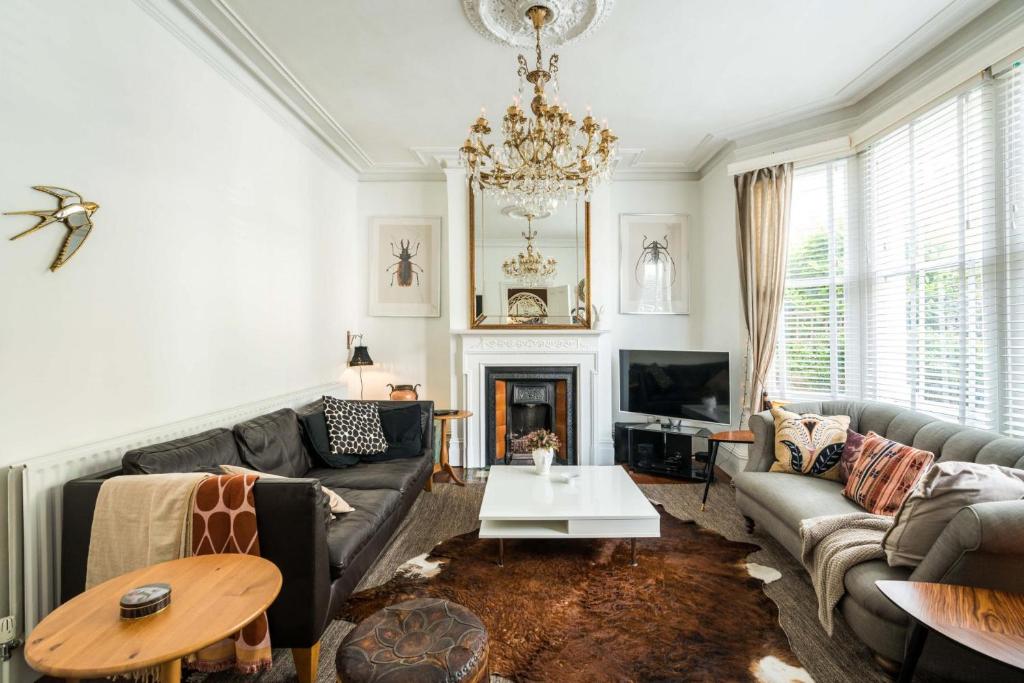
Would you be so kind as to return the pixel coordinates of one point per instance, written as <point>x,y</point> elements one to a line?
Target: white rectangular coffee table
<point>602,502</point>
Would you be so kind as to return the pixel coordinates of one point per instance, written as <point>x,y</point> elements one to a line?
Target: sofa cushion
<point>402,427</point>
<point>397,475</point>
<point>271,443</point>
<point>809,444</point>
<point>348,533</point>
<point>187,454</point>
<point>354,426</point>
<point>318,441</point>
<point>793,499</point>
<point>885,474</point>
<point>852,449</point>
<point>860,587</point>
<point>332,500</point>
<point>942,492</point>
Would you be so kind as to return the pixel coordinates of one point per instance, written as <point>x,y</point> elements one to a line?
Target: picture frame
<point>405,266</point>
<point>654,263</point>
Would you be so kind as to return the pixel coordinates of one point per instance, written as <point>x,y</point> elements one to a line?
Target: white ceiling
<point>399,81</point>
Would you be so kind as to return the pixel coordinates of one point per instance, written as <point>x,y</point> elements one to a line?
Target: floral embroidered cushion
<point>809,444</point>
<point>885,474</point>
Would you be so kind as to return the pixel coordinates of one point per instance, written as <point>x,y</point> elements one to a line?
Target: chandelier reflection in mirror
<point>530,267</point>
<point>545,159</point>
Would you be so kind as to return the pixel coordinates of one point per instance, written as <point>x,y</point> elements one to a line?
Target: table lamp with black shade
<point>360,357</point>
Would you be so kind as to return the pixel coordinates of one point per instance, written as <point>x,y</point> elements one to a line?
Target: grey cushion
<point>860,586</point>
<point>942,491</point>
<point>272,443</point>
<point>397,475</point>
<point>187,454</point>
<point>792,497</point>
<point>349,532</point>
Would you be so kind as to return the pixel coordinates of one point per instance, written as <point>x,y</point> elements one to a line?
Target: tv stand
<point>666,451</point>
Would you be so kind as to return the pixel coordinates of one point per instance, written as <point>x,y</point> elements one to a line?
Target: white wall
<point>404,350</point>
<point>216,273</point>
<point>631,331</point>
<point>724,327</point>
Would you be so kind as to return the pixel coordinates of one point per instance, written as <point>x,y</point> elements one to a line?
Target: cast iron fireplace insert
<point>520,399</point>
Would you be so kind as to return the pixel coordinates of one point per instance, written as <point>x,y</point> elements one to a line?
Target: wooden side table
<point>212,597</point>
<point>987,621</point>
<point>446,437</point>
<point>714,441</point>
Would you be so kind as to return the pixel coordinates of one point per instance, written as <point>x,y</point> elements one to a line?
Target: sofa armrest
<point>761,454</point>
<point>983,546</point>
<point>290,521</point>
<point>292,535</point>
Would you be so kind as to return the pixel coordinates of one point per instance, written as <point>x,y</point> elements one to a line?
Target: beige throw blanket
<point>833,544</point>
<point>140,520</point>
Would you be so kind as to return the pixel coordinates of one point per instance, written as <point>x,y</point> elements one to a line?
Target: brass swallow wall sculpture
<point>75,214</point>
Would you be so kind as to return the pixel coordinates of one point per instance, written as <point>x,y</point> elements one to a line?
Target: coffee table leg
<point>912,651</point>
<point>632,552</point>
<point>170,672</point>
<point>501,552</point>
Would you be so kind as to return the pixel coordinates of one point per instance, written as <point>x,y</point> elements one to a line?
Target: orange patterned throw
<point>885,474</point>
<point>224,521</point>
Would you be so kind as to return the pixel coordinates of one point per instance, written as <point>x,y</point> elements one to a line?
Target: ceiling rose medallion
<point>505,21</point>
<point>544,158</point>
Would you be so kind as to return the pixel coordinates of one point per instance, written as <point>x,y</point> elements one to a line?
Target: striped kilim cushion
<point>885,474</point>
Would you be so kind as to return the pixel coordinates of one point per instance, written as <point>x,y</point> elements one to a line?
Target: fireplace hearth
<point>520,400</point>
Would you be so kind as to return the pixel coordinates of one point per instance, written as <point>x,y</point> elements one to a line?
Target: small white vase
<point>542,458</point>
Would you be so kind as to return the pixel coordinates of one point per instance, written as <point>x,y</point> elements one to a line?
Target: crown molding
<point>996,29</point>
<point>242,43</point>
<point>876,89</point>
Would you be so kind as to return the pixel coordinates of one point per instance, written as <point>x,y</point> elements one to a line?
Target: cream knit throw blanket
<point>140,520</point>
<point>831,546</point>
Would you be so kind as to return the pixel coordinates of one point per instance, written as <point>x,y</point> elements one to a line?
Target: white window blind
<point>811,353</point>
<point>930,292</point>
<point>1010,98</point>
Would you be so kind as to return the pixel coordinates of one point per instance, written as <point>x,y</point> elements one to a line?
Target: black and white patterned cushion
<point>353,427</point>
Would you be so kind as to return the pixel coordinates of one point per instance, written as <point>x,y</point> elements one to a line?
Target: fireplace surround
<point>585,351</point>
<point>520,399</point>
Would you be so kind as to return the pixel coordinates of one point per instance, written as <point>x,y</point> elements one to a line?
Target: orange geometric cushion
<point>885,474</point>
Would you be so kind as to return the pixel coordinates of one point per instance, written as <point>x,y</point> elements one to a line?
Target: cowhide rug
<point>575,610</point>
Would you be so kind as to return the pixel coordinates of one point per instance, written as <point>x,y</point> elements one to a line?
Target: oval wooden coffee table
<point>212,597</point>
<point>987,621</point>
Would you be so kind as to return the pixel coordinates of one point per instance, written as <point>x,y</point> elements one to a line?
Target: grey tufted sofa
<point>983,545</point>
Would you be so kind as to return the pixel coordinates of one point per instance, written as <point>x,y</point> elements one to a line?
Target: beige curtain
<point>762,224</point>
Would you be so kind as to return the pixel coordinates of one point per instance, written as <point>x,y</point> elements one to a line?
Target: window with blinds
<point>905,278</point>
<point>929,240</point>
<point>811,355</point>
<point>1010,100</point>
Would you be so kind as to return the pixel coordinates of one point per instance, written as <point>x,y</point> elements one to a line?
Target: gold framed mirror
<point>529,267</point>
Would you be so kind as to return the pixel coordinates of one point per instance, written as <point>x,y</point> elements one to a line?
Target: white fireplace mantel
<point>586,350</point>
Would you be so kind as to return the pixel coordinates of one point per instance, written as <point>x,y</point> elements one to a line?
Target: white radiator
<point>34,569</point>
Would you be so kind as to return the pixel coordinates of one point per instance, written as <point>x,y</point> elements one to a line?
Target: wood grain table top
<point>735,436</point>
<point>457,415</point>
<point>987,621</point>
<point>212,596</point>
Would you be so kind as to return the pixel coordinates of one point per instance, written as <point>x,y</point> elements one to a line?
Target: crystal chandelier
<point>544,159</point>
<point>530,267</point>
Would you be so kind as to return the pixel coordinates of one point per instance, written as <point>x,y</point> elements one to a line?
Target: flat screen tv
<point>692,385</point>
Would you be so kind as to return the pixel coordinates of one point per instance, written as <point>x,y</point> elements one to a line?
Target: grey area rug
<point>451,510</point>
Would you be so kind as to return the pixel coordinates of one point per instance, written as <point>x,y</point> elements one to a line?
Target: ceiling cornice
<point>242,43</point>
<point>871,91</point>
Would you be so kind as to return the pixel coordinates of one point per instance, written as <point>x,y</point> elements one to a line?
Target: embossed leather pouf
<point>418,641</point>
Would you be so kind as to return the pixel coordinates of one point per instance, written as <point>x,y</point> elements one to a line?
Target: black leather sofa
<point>321,560</point>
